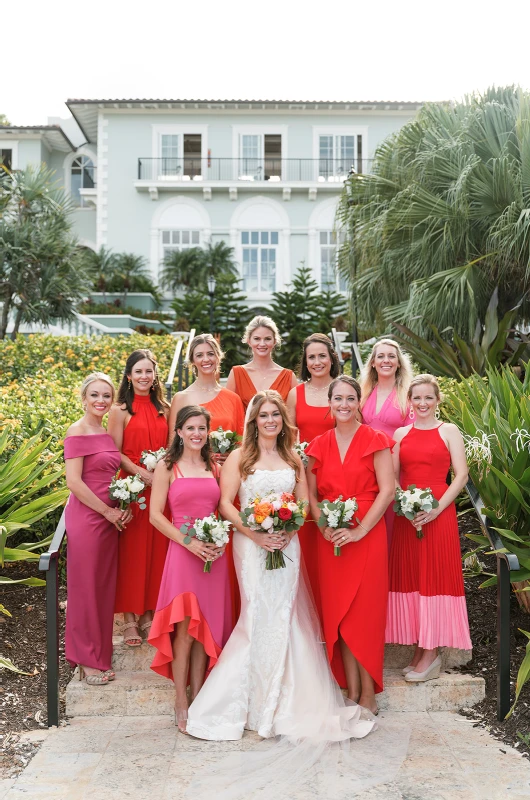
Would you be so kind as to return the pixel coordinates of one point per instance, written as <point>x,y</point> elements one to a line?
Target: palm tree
<point>128,269</point>
<point>219,260</point>
<point>442,218</point>
<point>102,266</point>
<point>185,269</point>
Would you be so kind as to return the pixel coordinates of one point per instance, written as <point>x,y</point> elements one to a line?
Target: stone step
<point>138,659</point>
<point>146,693</point>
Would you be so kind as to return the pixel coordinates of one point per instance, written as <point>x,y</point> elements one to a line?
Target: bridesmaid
<point>385,380</point>
<point>225,407</point>
<point>192,620</point>
<point>353,461</point>
<point>138,422</point>
<point>308,409</point>
<point>262,336</point>
<point>427,604</point>
<point>92,523</point>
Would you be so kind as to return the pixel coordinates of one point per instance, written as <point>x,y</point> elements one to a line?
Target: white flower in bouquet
<point>150,458</point>
<point>207,529</point>
<point>224,441</point>
<point>127,491</point>
<point>337,514</point>
<point>136,485</point>
<point>275,511</point>
<point>410,501</point>
<point>300,449</point>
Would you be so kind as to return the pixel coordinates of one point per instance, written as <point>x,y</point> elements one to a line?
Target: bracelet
<point>362,526</point>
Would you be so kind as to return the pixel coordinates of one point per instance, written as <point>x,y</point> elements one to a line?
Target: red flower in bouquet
<point>285,513</point>
<point>288,497</point>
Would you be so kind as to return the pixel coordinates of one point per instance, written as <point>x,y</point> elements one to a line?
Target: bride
<point>273,675</point>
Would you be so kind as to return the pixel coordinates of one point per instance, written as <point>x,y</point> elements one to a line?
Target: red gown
<point>311,421</point>
<point>354,585</point>
<point>142,549</point>
<point>426,603</point>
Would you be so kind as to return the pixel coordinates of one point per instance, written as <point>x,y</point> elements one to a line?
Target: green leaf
<point>6,663</point>
<point>523,675</point>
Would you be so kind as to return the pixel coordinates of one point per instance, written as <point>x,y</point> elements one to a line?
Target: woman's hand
<point>327,533</point>
<point>126,516</point>
<point>424,517</point>
<point>287,536</point>
<point>203,550</point>
<point>270,541</point>
<point>220,458</point>
<point>146,476</point>
<point>114,515</point>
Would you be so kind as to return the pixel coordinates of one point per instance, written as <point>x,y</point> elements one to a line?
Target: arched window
<point>83,176</point>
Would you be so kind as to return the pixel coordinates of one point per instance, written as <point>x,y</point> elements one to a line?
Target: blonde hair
<point>430,380</point>
<point>96,376</point>
<point>261,321</point>
<point>205,338</point>
<point>368,379</point>
<point>250,451</point>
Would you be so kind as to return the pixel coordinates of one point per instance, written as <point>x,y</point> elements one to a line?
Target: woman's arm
<point>85,495</point>
<point>159,493</point>
<point>312,493</point>
<point>230,482</point>
<point>176,404</point>
<point>291,407</point>
<point>294,381</point>
<point>231,381</point>
<point>455,445</point>
<point>116,427</point>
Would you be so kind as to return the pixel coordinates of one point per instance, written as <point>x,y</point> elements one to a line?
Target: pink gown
<point>92,556</point>
<point>388,419</point>
<point>186,590</point>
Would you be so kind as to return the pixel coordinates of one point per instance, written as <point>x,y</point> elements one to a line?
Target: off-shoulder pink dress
<point>92,556</point>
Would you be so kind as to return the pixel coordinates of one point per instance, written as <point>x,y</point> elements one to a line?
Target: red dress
<point>426,603</point>
<point>311,421</point>
<point>142,549</point>
<point>354,585</point>
<point>246,389</point>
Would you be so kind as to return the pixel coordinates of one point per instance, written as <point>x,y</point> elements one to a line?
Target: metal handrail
<point>48,563</point>
<point>506,563</point>
<point>177,363</point>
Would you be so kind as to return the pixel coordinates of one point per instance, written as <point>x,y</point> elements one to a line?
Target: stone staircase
<point>137,690</point>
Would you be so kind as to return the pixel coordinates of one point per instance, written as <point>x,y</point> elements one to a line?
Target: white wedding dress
<point>273,677</point>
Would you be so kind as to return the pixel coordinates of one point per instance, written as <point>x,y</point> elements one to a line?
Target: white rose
<point>276,504</point>
<point>292,506</point>
<point>150,462</point>
<point>136,486</point>
<point>267,523</point>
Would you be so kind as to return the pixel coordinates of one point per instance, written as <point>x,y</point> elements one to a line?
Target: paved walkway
<point>144,758</point>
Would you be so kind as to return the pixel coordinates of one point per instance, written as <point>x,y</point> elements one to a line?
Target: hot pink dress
<point>186,590</point>
<point>92,561</point>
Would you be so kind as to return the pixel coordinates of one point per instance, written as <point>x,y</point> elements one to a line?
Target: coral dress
<point>92,546</point>
<point>246,389</point>
<point>186,590</point>
<point>142,549</point>
<point>354,585</point>
<point>227,412</point>
<point>426,603</point>
<point>311,421</point>
<point>388,419</point>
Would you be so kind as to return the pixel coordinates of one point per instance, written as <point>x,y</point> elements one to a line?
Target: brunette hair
<point>261,321</point>
<point>318,338</point>
<point>176,448</point>
<point>126,391</point>
<point>250,451</point>
<point>345,379</point>
<point>369,376</point>
<point>429,379</point>
<point>204,338</point>
<point>96,376</point>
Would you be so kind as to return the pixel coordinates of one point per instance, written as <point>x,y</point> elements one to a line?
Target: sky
<point>274,50</point>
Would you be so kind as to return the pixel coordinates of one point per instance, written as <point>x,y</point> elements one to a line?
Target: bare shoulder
<point>118,411</point>
<point>451,431</point>
<point>291,397</point>
<point>75,429</point>
<point>400,433</point>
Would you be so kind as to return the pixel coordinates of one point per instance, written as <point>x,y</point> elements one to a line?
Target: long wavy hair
<point>126,391</point>
<point>368,378</point>
<point>318,338</point>
<point>250,451</point>
<point>176,447</point>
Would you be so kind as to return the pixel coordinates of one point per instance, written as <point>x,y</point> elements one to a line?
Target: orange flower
<point>287,497</point>
<point>261,511</point>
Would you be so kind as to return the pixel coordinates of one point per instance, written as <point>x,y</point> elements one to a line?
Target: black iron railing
<point>289,170</point>
<point>506,563</point>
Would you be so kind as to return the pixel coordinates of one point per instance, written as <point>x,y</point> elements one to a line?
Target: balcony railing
<point>274,170</point>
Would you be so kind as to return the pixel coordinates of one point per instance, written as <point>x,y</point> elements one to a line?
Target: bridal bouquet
<point>409,501</point>
<point>150,458</point>
<point>300,449</point>
<point>274,512</point>
<point>224,441</point>
<point>337,514</point>
<point>207,529</point>
<point>127,491</point>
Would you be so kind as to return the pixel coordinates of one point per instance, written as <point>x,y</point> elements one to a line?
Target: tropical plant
<point>4,120</point>
<point>190,269</point>
<point>494,342</point>
<point>441,219</point>
<point>101,266</point>
<point>42,273</point>
<point>296,312</point>
<point>129,271</point>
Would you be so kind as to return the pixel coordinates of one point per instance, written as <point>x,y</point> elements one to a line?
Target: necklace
<point>315,389</point>
<point>216,388</point>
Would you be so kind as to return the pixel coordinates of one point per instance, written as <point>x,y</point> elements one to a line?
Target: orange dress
<point>311,422</point>
<point>246,389</point>
<point>354,585</point>
<point>142,549</point>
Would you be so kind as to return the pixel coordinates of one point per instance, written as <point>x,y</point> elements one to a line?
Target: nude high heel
<point>100,679</point>
<point>433,671</point>
<point>181,718</point>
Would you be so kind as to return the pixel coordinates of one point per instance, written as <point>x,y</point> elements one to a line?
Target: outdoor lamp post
<point>211,292</point>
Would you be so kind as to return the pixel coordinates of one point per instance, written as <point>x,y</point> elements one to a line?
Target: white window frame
<point>337,130</point>
<point>67,167</point>
<point>11,144</point>
<point>260,246</point>
<point>180,130</point>
<point>180,246</point>
<point>256,130</point>
<point>336,287</point>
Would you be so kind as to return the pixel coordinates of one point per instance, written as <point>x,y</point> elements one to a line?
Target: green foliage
<point>297,314</point>
<point>523,676</point>
<point>117,308</point>
<point>184,269</point>
<point>4,120</point>
<point>493,342</point>
<point>442,219</point>
<point>332,312</point>
<point>119,272</point>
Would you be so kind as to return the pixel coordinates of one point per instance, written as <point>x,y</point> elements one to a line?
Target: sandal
<point>145,628</point>
<point>181,719</point>
<point>111,675</point>
<point>97,679</point>
<point>134,640</point>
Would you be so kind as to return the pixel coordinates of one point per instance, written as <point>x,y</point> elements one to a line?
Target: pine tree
<point>296,312</point>
<point>332,306</point>
<point>231,314</point>
<point>192,310</point>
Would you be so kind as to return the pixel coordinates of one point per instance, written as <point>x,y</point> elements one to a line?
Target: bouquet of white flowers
<point>410,501</point>
<point>150,458</point>
<point>224,441</point>
<point>274,512</point>
<point>126,490</point>
<point>337,514</point>
<point>300,449</point>
<point>207,529</point>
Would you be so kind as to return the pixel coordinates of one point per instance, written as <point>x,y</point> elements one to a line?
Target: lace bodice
<point>263,481</point>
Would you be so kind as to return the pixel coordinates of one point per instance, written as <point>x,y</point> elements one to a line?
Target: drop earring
<point>181,441</point>
<point>437,413</point>
<point>128,383</point>
<point>411,413</point>
<point>256,434</point>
